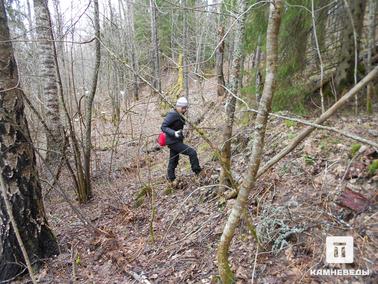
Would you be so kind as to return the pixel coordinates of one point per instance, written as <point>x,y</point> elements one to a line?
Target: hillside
<point>294,207</point>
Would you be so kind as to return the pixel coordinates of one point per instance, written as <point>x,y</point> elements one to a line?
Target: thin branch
<point>319,54</point>
<point>308,130</point>
<point>312,124</point>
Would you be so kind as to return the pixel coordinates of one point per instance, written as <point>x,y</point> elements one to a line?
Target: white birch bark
<point>49,80</point>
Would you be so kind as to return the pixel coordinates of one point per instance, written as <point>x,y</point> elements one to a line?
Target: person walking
<point>172,126</point>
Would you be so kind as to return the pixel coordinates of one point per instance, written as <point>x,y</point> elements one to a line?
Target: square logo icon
<point>339,249</point>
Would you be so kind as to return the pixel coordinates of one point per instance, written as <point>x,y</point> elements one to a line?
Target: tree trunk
<point>86,195</point>
<point>173,36</point>
<point>129,15</point>
<point>19,172</point>
<point>185,55</point>
<point>234,85</point>
<point>155,47</point>
<point>352,26</point>
<point>48,77</point>
<point>371,41</point>
<point>219,62</point>
<point>257,67</point>
<point>258,143</point>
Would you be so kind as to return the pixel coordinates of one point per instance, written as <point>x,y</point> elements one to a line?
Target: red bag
<point>162,139</point>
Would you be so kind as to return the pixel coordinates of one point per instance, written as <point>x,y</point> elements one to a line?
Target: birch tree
<point>258,143</point>
<point>19,176</point>
<point>48,77</point>
<point>234,85</point>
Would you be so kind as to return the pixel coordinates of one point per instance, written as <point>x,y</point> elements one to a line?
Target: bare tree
<point>219,62</point>
<point>258,143</point>
<point>371,39</point>
<point>185,55</point>
<point>257,67</point>
<point>155,46</point>
<point>129,16</point>
<point>48,77</point>
<point>89,106</point>
<point>19,173</point>
<point>234,85</point>
<point>319,54</point>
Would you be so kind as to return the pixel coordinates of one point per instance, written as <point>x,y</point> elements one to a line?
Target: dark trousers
<point>174,156</point>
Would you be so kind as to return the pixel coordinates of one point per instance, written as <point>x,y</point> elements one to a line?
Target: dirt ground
<point>157,235</point>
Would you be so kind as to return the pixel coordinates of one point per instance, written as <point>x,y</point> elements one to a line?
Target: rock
<point>373,132</point>
<point>324,179</point>
<point>292,203</point>
<point>362,149</point>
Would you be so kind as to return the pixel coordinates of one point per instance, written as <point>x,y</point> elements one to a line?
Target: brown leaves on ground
<point>316,191</point>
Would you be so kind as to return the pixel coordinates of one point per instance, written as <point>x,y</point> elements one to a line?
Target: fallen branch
<point>307,131</point>
<point>333,129</point>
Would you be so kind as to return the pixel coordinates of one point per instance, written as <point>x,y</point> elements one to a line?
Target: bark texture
<point>371,39</point>
<point>352,21</point>
<point>257,66</point>
<point>155,47</point>
<point>49,81</point>
<point>19,172</point>
<point>258,143</point>
<point>234,85</point>
<point>219,62</point>
<point>129,15</point>
<point>84,196</point>
<point>185,51</point>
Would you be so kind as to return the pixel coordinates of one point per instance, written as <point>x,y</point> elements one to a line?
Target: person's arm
<point>169,119</point>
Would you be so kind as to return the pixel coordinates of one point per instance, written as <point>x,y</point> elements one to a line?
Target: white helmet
<point>182,102</point>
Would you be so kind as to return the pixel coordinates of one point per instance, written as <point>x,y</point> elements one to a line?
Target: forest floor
<point>171,236</point>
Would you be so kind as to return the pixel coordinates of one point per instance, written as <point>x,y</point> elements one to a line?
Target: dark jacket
<point>173,122</point>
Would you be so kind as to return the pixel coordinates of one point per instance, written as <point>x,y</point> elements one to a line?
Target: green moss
<point>245,119</point>
<point>143,192</point>
<point>354,149</point>
<point>248,90</point>
<point>290,135</point>
<point>309,160</point>
<point>373,167</point>
<point>285,96</point>
<point>290,123</point>
<point>215,156</point>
